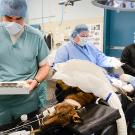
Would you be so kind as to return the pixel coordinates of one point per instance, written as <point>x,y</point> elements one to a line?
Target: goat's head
<point>64,114</point>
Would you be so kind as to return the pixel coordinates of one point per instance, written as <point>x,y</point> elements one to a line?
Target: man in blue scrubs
<point>23,53</point>
<point>80,48</point>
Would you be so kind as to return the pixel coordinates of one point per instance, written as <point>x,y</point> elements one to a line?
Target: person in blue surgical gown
<point>79,47</point>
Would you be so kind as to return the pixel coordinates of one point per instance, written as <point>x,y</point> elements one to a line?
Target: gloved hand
<point>122,85</point>
<point>116,63</point>
<point>128,88</point>
<point>127,78</point>
<point>117,83</point>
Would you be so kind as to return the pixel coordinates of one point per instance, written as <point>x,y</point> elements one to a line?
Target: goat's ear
<point>76,119</point>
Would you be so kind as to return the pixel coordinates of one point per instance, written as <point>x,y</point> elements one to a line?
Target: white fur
<point>73,102</point>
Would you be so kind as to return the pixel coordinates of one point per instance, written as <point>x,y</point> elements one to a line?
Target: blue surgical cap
<point>13,8</point>
<point>78,29</point>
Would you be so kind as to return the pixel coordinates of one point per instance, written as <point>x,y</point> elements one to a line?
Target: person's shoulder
<point>31,30</point>
<point>65,45</point>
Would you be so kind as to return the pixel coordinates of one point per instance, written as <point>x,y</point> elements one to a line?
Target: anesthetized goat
<point>91,79</point>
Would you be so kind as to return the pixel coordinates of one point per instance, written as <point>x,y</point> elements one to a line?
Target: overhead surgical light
<point>118,5</point>
<point>68,2</point>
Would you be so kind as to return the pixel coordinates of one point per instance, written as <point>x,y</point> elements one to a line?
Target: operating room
<point>67,67</point>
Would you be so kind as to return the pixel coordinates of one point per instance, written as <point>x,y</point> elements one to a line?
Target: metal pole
<point>42,16</point>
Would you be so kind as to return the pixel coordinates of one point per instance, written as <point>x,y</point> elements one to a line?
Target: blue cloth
<point>111,74</point>
<point>20,61</point>
<point>13,8</point>
<point>89,52</point>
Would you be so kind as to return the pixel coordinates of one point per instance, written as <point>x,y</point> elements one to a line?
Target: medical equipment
<point>17,87</point>
<point>67,2</point>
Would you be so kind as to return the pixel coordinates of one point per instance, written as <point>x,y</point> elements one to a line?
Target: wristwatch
<point>37,80</point>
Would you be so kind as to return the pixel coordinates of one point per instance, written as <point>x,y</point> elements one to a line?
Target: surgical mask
<point>13,28</point>
<point>83,41</point>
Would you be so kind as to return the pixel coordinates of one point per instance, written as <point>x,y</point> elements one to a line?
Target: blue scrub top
<point>89,52</point>
<point>20,61</point>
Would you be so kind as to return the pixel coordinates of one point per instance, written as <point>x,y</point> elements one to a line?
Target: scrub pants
<point>13,106</point>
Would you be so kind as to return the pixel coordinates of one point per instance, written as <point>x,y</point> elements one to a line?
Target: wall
<point>61,20</point>
<point>52,11</point>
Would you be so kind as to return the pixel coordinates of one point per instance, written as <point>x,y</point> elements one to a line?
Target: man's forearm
<point>42,72</point>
